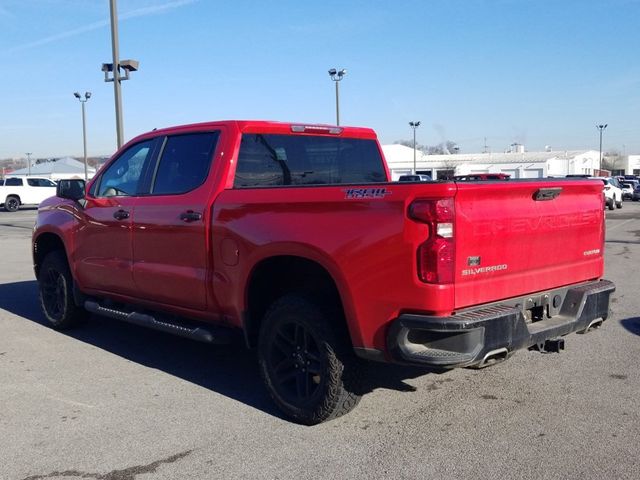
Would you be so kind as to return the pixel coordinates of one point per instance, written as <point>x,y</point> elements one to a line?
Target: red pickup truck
<point>293,235</point>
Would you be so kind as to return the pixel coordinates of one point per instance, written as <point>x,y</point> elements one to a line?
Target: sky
<point>536,72</point>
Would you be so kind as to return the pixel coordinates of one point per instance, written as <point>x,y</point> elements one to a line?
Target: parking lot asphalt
<point>116,402</point>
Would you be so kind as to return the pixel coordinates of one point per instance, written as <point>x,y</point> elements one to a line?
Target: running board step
<point>208,334</point>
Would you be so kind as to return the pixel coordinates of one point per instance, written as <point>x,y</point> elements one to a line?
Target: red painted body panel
<point>534,245</point>
<point>368,245</point>
<point>104,247</point>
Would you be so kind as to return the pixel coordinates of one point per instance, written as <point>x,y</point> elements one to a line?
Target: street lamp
<point>28,154</point>
<point>336,76</point>
<point>115,67</point>
<point>87,96</point>
<point>414,125</point>
<point>601,128</point>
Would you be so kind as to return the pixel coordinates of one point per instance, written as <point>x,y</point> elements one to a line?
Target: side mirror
<point>71,189</point>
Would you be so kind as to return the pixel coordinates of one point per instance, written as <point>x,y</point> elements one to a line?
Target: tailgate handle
<point>547,194</point>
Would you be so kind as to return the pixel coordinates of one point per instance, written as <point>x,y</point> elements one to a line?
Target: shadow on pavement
<point>229,370</point>
<point>631,324</point>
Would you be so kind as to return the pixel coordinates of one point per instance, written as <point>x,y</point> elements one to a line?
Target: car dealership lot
<point>115,401</point>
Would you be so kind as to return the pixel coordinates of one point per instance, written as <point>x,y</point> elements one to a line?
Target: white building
<point>61,168</point>
<point>633,165</point>
<point>519,164</point>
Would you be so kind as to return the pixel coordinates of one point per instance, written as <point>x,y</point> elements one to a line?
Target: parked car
<point>636,194</point>
<point>481,176</point>
<point>292,238</point>
<point>414,178</point>
<point>612,192</point>
<point>628,187</point>
<point>18,191</point>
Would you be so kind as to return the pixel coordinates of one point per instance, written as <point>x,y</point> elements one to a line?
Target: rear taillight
<point>436,256</point>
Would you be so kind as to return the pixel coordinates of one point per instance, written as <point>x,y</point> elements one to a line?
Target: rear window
<point>274,160</point>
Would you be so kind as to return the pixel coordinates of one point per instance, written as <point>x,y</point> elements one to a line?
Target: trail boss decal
<point>356,193</point>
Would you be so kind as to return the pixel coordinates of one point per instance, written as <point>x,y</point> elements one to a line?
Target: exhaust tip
<point>492,357</point>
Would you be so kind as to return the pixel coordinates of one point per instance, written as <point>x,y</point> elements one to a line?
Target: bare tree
<point>613,161</point>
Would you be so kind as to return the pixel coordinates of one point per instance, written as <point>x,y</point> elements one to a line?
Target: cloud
<point>139,12</point>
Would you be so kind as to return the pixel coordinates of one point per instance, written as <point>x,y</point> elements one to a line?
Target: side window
<point>13,182</point>
<point>184,164</point>
<point>40,182</point>
<point>259,164</point>
<point>121,178</point>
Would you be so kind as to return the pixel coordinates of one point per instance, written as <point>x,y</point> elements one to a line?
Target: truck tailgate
<point>519,237</point>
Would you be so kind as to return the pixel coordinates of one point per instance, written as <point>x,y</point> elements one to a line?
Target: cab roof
<point>265,126</point>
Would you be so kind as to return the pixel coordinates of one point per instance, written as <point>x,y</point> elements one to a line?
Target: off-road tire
<point>55,286</point>
<point>12,203</point>
<point>294,325</point>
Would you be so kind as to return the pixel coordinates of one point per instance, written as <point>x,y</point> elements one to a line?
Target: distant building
<point>57,169</point>
<point>518,163</point>
<point>633,165</point>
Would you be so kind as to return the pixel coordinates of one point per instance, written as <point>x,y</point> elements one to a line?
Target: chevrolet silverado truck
<point>293,236</point>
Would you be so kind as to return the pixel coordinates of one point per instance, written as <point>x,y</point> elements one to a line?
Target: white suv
<point>18,191</point>
<point>612,192</point>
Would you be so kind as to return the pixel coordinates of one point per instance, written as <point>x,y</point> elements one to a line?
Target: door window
<point>184,164</point>
<point>40,182</point>
<point>123,176</point>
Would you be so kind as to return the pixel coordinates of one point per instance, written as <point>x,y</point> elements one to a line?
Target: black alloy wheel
<point>306,361</point>
<point>56,293</point>
<point>53,288</point>
<point>11,204</point>
<point>295,362</point>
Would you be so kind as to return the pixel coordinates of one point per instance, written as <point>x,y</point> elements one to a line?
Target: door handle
<point>190,216</point>
<point>120,214</point>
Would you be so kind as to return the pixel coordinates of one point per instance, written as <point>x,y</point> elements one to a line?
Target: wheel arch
<point>44,244</point>
<point>278,275</point>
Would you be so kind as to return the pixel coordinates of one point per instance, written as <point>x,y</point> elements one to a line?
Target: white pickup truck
<point>16,191</point>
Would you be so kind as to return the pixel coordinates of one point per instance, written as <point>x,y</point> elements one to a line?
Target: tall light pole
<point>87,96</point>
<point>601,128</point>
<point>414,125</point>
<point>126,65</point>
<point>336,76</point>
<point>28,154</point>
